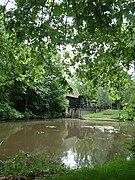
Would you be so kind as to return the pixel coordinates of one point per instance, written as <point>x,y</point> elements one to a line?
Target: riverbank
<point>25,167</point>
<point>107,115</point>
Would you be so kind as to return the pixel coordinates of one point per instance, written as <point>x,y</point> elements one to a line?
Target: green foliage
<point>33,168</point>
<point>129,101</point>
<point>8,112</point>
<point>50,103</point>
<point>107,114</point>
<point>94,28</point>
<point>31,80</point>
<point>31,34</point>
<point>30,167</point>
<point>132,148</point>
<point>103,98</point>
<point>119,169</point>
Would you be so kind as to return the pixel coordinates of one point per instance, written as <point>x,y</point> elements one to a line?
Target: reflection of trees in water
<point>102,143</point>
<point>7,129</point>
<point>97,146</point>
<point>101,148</point>
<point>84,153</point>
<point>40,139</point>
<point>92,145</point>
<point>93,148</point>
<point>122,142</point>
<point>51,145</point>
<point>73,128</point>
<point>86,144</point>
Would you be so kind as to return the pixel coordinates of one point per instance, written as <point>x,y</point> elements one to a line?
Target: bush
<point>8,112</point>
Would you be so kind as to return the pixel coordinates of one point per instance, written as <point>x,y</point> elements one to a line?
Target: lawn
<point>22,167</point>
<point>116,170</point>
<point>107,114</point>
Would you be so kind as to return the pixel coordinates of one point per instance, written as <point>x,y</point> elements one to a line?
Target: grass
<point>22,167</point>
<point>110,123</point>
<point>25,167</point>
<point>107,114</point>
<point>117,170</point>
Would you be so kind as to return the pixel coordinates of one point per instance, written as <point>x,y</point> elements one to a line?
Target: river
<point>74,143</point>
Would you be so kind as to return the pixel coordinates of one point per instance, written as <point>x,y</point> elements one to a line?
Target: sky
<point>10,3</point>
<point>2,2</point>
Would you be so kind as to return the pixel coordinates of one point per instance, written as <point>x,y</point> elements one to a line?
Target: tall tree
<point>89,26</point>
<point>29,78</point>
<point>102,34</point>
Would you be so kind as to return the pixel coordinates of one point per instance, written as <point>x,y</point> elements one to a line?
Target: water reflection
<point>72,142</point>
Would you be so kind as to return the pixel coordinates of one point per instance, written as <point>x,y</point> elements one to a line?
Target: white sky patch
<point>10,4</point>
<point>2,2</point>
<point>68,49</point>
<point>63,50</point>
<point>132,71</point>
<point>69,160</point>
<point>68,20</point>
<point>58,1</point>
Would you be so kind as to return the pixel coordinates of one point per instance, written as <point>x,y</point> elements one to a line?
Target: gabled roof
<point>75,92</point>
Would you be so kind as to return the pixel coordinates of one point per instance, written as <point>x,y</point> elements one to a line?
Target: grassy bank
<point>107,114</point>
<point>117,170</point>
<point>109,122</point>
<point>22,167</point>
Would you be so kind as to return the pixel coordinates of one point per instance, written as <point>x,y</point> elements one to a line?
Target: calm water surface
<point>72,142</point>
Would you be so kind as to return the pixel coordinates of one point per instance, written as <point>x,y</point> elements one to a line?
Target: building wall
<point>77,112</point>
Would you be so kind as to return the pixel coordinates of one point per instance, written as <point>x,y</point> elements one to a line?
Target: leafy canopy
<point>101,32</point>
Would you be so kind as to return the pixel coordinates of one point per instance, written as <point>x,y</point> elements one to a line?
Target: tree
<point>128,100</point>
<point>103,98</point>
<point>100,32</point>
<point>29,79</point>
